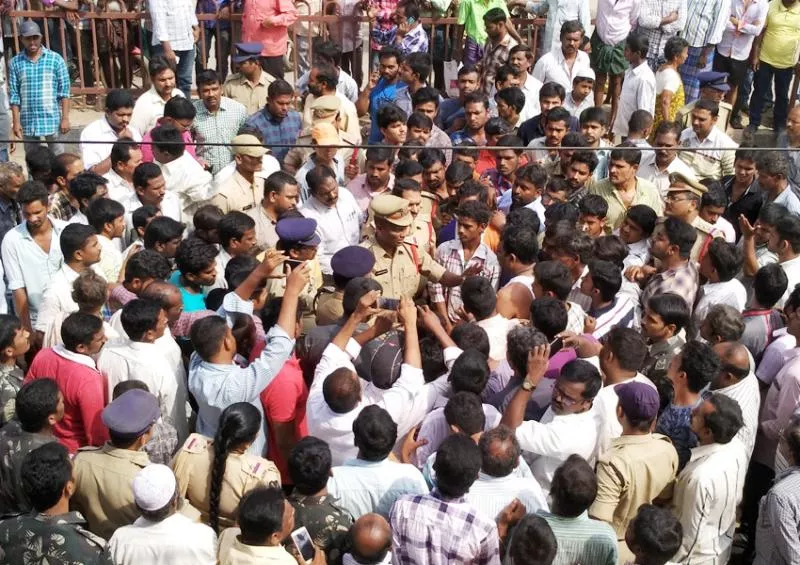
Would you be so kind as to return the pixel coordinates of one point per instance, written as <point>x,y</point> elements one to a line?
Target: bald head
<point>500,451</point>
<point>341,390</point>
<point>371,537</point>
<point>735,364</point>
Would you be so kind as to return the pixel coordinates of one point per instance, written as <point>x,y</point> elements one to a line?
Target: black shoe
<point>736,122</point>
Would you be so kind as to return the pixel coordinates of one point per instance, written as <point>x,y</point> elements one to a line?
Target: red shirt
<point>284,400</point>
<point>84,393</point>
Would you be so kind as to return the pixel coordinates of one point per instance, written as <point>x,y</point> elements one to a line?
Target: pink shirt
<point>275,37</point>
<point>359,188</point>
<point>147,149</point>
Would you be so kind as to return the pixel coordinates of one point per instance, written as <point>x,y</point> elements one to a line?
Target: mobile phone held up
<point>556,345</point>
<point>302,541</point>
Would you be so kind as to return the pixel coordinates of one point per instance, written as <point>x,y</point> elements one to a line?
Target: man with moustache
<point>114,125</point>
<point>658,171</point>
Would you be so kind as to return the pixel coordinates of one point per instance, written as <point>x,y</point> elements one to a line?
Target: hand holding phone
<point>302,541</point>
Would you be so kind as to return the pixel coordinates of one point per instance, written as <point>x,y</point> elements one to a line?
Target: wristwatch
<point>528,386</point>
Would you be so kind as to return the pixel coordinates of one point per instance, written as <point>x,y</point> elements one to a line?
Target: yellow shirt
<point>646,193</point>
<point>781,36</point>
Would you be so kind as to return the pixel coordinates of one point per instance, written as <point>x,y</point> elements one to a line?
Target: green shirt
<point>470,15</point>
<point>646,193</point>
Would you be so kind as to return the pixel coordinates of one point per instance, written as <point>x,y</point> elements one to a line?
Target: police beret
<point>352,261</point>
<point>680,182</point>
<point>132,413</point>
<point>298,230</point>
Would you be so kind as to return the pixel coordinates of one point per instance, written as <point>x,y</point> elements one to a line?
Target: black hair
<point>433,365</point>
<point>309,465</point>
<point>574,487</point>
<point>726,258</point>
<point>328,50</point>
<point>643,216</point>
<point>553,276</point>
<point>588,158</point>
<point>700,363</point>
<point>206,336</point>
<point>79,329</point>
<point>239,425</point>
<point>521,241</point>
<point>467,69</point>
<point>640,121</point>
<point>549,315</point>
<point>419,63</point>
<point>669,127</point>
<point>140,316</point>
<point>374,433</point>
<point>513,96</point>
<point>466,147</point>
<point>457,172</point>
<point>59,165</point>
<point>494,462</point>
<point>559,114</point>
<point>73,238</point>
<point>593,205</point>
<point>630,155</point>
<point>458,462</point>
<point>388,51</point>
<point>36,400</point>
<point>657,532</point>
<point>715,196</point>
<point>511,141</point>
<point>610,248</point>
<point>533,173</point>
<point>9,326</point>
<point>260,514</point>
<point>327,74</point>
<point>118,98</point>
<point>497,126</point>
<point>520,341</point>
<point>771,213</point>
<point>464,410</point>
<point>84,186</point>
<point>103,211</point>
<point>628,346</point>
<point>429,156</point>
<point>317,175</point>
<point>472,188</point>
<point>162,229</point>
<point>725,322</point>
<point>144,173</point>
<point>355,289</point>
<point>424,95</point>
<point>39,160</point>
<point>121,152</point>
<point>583,372</point>
<point>45,473</point>
<point>606,278</point>
<point>419,120</point>
<point>552,90</point>
<point>193,255</point>
<point>533,542</point>
<point>409,151</point>
<point>389,114</point>
<point>474,210</point>
<point>471,336</point>
<point>179,108</point>
<point>707,105</point>
<point>769,285</point>
<point>745,153</point>
<point>147,264</point>
<point>479,297</point>
<point>168,138</point>
<point>680,234</point>
<point>671,308</point>
<point>238,269</point>
<point>159,63</point>
<point>279,87</point>
<point>788,228</point>
<point>402,185</point>
<point>638,43</point>
<point>206,76</point>
<point>503,73</point>
<point>594,114</point>
<point>726,420</point>
<point>234,225</point>
<point>470,372</point>
<point>495,16</point>
<point>476,98</point>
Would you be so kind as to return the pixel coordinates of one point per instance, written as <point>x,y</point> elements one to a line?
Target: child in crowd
<point>14,343</point>
<point>713,205</point>
<point>593,208</point>
<point>581,97</point>
<point>635,232</point>
<point>237,236</point>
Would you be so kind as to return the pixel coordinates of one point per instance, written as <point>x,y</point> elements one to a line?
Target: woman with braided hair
<point>213,475</point>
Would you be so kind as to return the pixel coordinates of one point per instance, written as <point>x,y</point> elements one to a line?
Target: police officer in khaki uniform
<point>243,472</point>
<point>327,109</point>
<point>248,86</point>
<point>683,202</point>
<point>241,192</point>
<point>104,475</point>
<point>399,263</point>
<point>347,263</point>
<point>713,86</point>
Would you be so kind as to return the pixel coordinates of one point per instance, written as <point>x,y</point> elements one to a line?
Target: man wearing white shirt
<point>720,265</point>
<point>561,64</point>
<point>713,162</point>
<point>113,126</point>
<point>372,482</point>
<point>582,85</point>
<point>80,249</point>
<point>709,489</point>
<point>521,58</point>
<point>175,32</point>
<point>336,212</point>
<point>784,241</point>
<point>569,425</point>
<point>638,87</point>
<point>150,190</point>
<point>149,106</point>
<point>773,179</point>
<point>498,484</point>
<point>667,140</point>
<point>124,159</point>
<point>31,252</point>
<point>331,414</point>
<point>138,357</point>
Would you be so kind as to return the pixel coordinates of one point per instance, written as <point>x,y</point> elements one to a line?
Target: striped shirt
<point>582,540</point>
<point>621,312</point>
<point>747,394</point>
<point>489,495</point>
<point>706,21</point>
<point>37,87</point>
<point>778,527</point>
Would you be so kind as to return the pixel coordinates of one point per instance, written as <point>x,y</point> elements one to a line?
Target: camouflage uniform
<point>327,523</point>
<point>10,382</point>
<point>15,444</point>
<point>660,356</point>
<point>57,540</point>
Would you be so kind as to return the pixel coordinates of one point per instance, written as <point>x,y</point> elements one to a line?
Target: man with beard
<point>579,173</point>
<point>498,46</point>
<point>711,163</point>
<point>217,120</point>
<point>562,64</point>
<point>377,180</point>
<point>280,196</point>
<point>277,121</point>
<point>667,140</point>
<point>551,96</point>
<point>521,58</point>
<point>111,127</point>
<point>451,113</point>
<point>322,81</point>
<point>381,89</point>
<point>476,114</point>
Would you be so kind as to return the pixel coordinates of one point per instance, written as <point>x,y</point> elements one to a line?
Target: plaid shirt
<point>501,183</point>
<point>415,41</point>
<point>430,529</point>
<point>683,281</point>
<point>277,131</point>
<point>495,56</point>
<point>173,21</point>
<point>706,21</point>
<point>37,88</point>
<point>218,128</point>
<point>450,255</point>
<point>650,14</point>
<point>777,541</point>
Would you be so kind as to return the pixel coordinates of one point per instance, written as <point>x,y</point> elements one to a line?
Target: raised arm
<point>538,359</point>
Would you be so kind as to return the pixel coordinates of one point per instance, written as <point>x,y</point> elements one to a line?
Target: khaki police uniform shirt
<point>298,155</point>
<point>684,116</point>
<point>266,236</point>
<point>103,486</point>
<point>243,472</point>
<point>238,194</point>
<point>277,286</point>
<point>329,307</point>
<point>704,232</point>
<point>252,95</point>
<point>402,274</point>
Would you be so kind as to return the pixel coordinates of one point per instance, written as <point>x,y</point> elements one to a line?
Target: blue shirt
<point>277,131</point>
<point>191,302</point>
<point>216,386</point>
<point>449,111</point>
<point>38,87</point>
<point>675,422</point>
<point>383,93</point>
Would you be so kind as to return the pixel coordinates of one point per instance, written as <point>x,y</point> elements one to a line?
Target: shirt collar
<point>706,450</point>
<point>790,471</point>
<point>84,360</point>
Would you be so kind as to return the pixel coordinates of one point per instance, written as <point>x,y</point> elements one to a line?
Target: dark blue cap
<point>352,261</point>
<point>245,51</point>
<point>301,231</point>
<point>715,80</point>
<point>131,414</point>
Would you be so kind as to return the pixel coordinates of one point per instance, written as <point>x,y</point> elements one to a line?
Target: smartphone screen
<point>302,541</point>
<point>556,345</point>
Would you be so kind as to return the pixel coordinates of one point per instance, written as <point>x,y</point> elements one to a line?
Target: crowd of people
<point>549,319</point>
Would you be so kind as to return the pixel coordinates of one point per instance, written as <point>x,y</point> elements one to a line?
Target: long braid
<point>222,448</point>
